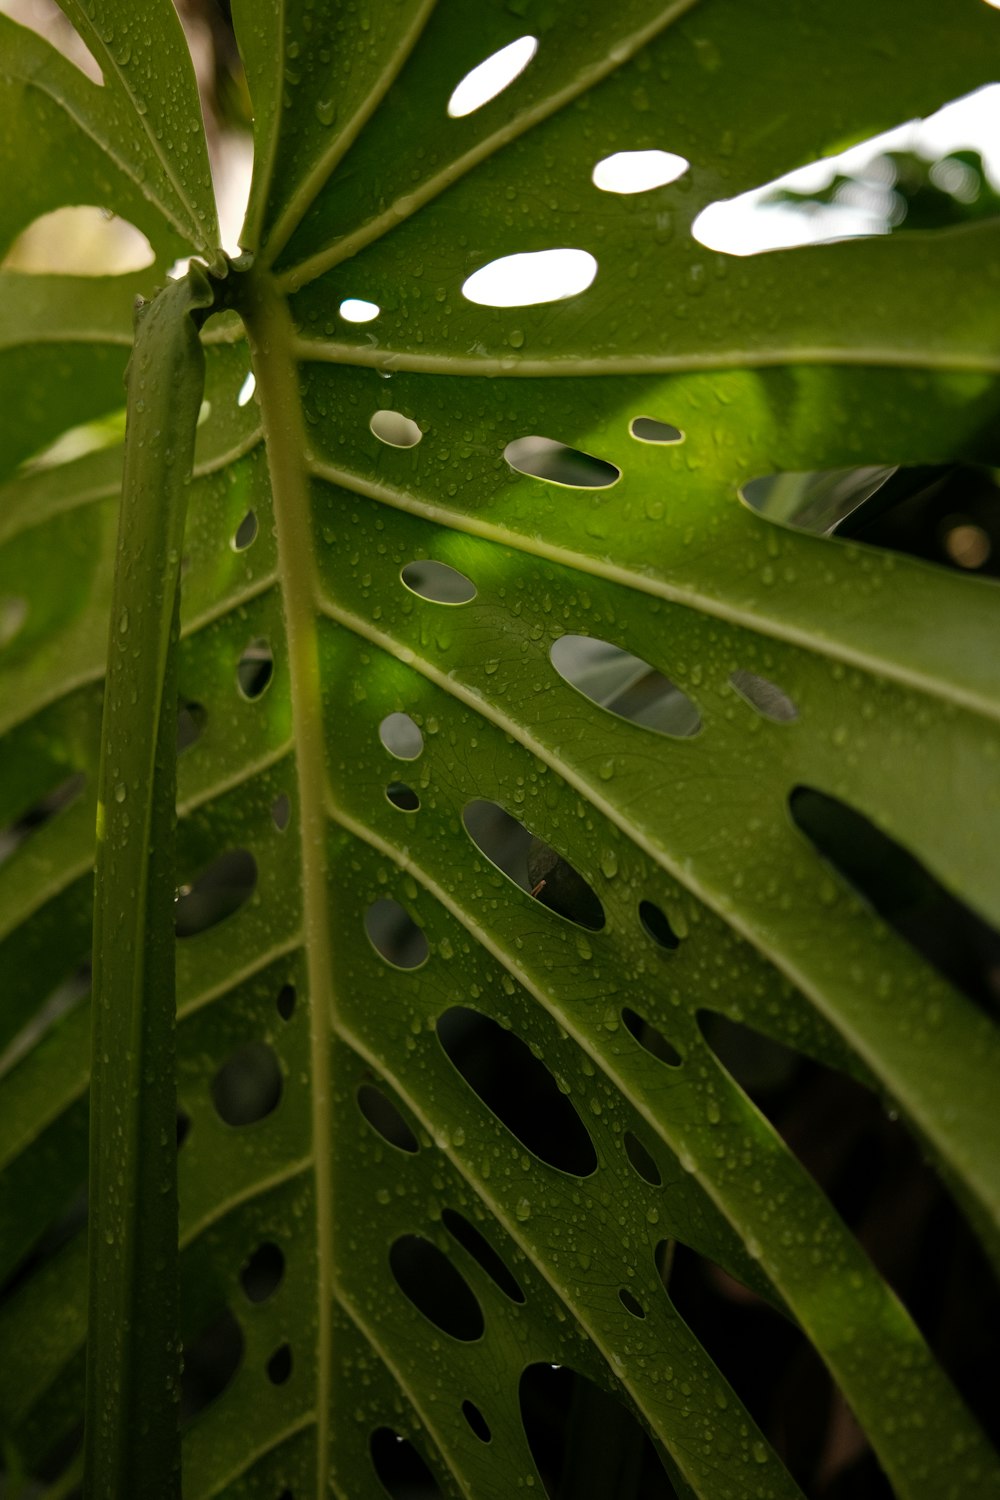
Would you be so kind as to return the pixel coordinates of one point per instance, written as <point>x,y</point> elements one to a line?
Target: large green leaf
<point>342,1175</point>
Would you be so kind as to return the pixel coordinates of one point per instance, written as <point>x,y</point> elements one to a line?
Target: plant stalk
<point>131,1441</point>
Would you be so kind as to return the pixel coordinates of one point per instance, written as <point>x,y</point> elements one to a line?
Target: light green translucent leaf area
<point>323,1059</point>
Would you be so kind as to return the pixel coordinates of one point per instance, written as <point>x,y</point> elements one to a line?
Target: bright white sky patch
<point>357,310</point>
<point>639,171</point>
<point>531,277</point>
<point>745,226</point>
<point>247,389</point>
<point>491,77</point>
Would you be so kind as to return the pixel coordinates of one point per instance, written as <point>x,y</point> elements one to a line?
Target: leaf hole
<point>248,1086</point>
<point>394,935</point>
<point>191,721</point>
<point>358,310</point>
<point>651,1040</point>
<point>624,685</point>
<point>436,1287</point>
<point>285,1002</point>
<point>246,391</point>
<point>532,864</point>
<point>649,430</point>
<point>399,1468</point>
<point>401,736</point>
<point>944,514</point>
<point>255,668</point>
<point>246,532</point>
<point>386,1119</point>
<point>281,811</point>
<point>641,1159</point>
<point>491,77</point>
<point>263,1272</point>
<point>557,1405</point>
<point>628,172</point>
<point>530,278</point>
<point>518,1088</point>
<point>896,180</point>
<point>34,818</point>
<point>437,583</point>
<point>79,240</point>
<point>953,938</point>
<point>765,697</point>
<point>210,1364</point>
<point>630,1303</point>
<point>216,894</point>
<point>478,1246</point>
<point>476,1420</point>
<point>656,924</point>
<point>545,458</point>
<point>279,1366</point>
<point>402,796</point>
<point>395,430</point>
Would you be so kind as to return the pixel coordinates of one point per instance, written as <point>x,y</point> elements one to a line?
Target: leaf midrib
<point>270,332</point>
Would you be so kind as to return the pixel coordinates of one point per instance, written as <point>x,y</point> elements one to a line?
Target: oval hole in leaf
<point>530,278</point>
<point>545,458</point>
<point>41,812</point>
<point>947,933</point>
<point>656,924</point>
<point>436,1287</point>
<point>281,811</point>
<point>557,1403</point>
<point>765,697</point>
<point>245,393</point>
<point>13,613</point>
<point>641,1159</point>
<point>649,430</point>
<point>631,1303</point>
<point>475,1242</point>
<point>653,1041</point>
<point>385,1119</point>
<point>286,1002</point>
<point>402,796</point>
<point>399,1467</point>
<point>438,583</point>
<point>638,171</point>
<point>476,1420</point>
<point>948,514</point>
<point>394,935</point>
<point>395,430</point>
<point>518,1088</point>
<point>248,1085</point>
<point>210,1364</point>
<point>624,685</point>
<point>401,736</point>
<point>490,77</point>
<point>255,668</point>
<point>246,532</point>
<point>262,1272</point>
<point>532,864</point>
<point>217,893</point>
<point>279,1366</point>
<point>79,240</point>
<point>191,721</point>
<point>358,310</point>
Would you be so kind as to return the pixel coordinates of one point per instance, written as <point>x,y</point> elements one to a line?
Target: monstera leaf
<point>518,758</point>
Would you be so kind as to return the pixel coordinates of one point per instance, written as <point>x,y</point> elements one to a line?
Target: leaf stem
<point>131,1442</point>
